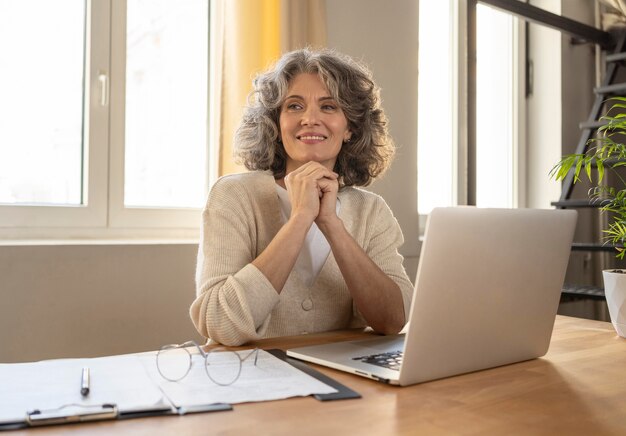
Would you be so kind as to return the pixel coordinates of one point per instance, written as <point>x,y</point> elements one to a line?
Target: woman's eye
<point>294,106</point>
<point>329,107</point>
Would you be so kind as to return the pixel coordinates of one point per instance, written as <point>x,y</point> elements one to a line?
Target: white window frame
<point>104,216</point>
<point>93,214</point>
<point>460,83</point>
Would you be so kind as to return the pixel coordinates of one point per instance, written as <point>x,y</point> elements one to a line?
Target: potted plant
<point>606,153</point>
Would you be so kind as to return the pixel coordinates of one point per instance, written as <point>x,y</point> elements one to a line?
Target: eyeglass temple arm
<point>192,344</point>
<point>256,355</point>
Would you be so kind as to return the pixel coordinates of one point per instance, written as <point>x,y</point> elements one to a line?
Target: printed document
<point>271,379</point>
<point>133,383</point>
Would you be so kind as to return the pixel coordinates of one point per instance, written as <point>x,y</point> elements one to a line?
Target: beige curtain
<point>303,24</point>
<point>252,34</point>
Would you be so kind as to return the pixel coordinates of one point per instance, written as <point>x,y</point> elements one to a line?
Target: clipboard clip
<point>71,413</point>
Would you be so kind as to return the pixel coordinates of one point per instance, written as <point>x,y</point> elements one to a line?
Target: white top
<point>315,249</point>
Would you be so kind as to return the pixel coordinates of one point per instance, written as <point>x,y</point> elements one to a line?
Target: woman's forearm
<point>279,257</point>
<point>375,294</point>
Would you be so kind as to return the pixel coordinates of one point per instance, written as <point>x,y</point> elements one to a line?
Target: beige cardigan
<point>235,302</point>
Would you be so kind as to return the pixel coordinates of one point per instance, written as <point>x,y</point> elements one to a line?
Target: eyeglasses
<point>222,366</point>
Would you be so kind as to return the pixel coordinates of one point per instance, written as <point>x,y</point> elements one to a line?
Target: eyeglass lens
<point>222,366</point>
<point>173,363</point>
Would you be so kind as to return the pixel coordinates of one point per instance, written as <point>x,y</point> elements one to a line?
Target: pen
<point>84,382</point>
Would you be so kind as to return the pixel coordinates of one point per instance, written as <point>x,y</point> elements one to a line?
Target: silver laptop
<point>486,294</point>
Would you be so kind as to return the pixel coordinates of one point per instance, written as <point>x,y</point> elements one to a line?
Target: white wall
<point>94,300</point>
<point>384,34</point>
<point>563,81</point>
<point>544,136</point>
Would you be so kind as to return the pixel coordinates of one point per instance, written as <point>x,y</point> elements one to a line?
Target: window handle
<point>103,80</point>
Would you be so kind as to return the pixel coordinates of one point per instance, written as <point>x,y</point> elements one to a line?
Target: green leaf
<point>579,165</point>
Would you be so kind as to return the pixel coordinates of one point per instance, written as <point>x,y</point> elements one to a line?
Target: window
<point>40,161</point>
<point>440,173</point>
<point>496,109</point>
<point>437,165</point>
<point>103,119</point>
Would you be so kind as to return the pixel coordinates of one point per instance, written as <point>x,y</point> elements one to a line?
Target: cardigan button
<point>307,304</point>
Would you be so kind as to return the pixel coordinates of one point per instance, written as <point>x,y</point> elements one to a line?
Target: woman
<point>292,247</point>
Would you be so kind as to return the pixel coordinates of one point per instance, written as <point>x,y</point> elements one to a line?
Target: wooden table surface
<point>579,387</point>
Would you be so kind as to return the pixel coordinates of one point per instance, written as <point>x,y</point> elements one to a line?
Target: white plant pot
<point>615,292</point>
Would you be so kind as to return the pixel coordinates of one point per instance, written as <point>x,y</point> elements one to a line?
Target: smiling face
<point>312,125</point>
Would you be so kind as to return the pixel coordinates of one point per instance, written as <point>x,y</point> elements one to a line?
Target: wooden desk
<point>579,387</point>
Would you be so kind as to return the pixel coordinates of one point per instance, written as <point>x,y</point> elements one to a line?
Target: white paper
<point>270,379</point>
<point>133,383</point>
<point>45,385</point>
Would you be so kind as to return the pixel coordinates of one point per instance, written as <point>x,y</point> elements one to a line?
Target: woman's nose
<point>310,116</point>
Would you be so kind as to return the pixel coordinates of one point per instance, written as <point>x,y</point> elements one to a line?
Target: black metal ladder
<point>609,88</point>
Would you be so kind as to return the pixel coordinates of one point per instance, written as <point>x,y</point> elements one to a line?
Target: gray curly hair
<point>370,149</point>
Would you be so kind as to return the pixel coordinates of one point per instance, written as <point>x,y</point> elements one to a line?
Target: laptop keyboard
<point>391,359</point>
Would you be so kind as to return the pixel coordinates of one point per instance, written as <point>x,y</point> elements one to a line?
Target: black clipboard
<point>76,413</point>
<point>343,392</point>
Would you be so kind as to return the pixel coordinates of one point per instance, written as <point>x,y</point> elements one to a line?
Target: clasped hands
<point>312,191</point>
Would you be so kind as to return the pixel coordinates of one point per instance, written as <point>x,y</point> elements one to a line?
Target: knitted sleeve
<point>384,242</point>
<point>233,298</point>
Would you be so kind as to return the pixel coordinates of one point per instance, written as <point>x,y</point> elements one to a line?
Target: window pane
<point>494,108</point>
<point>166,103</point>
<point>41,103</point>
<point>436,163</point>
